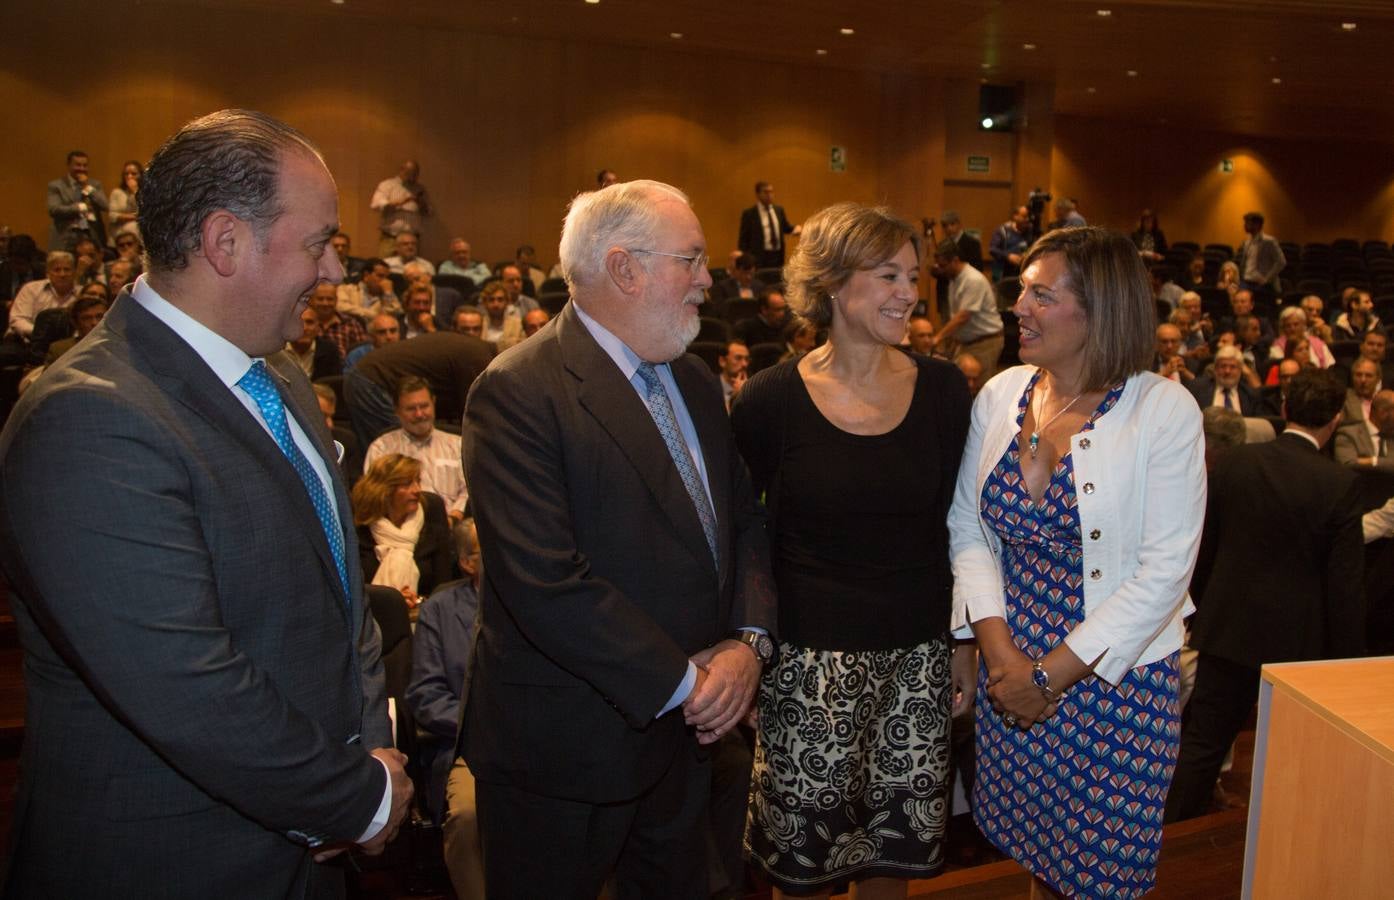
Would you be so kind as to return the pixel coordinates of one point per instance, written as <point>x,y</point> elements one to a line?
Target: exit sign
<point>1226,165</point>
<point>979,163</point>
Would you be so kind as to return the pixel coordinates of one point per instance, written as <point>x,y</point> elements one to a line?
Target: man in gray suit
<point>1368,443</point>
<point>205,699</point>
<point>76,205</point>
<point>1260,258</point>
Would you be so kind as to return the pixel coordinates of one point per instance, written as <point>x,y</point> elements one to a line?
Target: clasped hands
<point>402,791</point>
<point>1015,695</point>
<point>727,673</point>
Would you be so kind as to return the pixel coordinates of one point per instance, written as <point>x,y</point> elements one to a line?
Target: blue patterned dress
<point>1078,799</point>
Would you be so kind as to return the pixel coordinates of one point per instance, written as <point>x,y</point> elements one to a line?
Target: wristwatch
<point>763,647</point>
<point>1041,679</point>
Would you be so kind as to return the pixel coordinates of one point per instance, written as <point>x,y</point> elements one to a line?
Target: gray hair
<point>623,215</point>
<point>58,256</point>
<point>1222,427</point>
<point>1229,351</point>
<point>1291,312</point>
<point>228,160</point>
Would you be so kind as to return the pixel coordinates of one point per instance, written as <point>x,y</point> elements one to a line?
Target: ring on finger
<point>1009,719</point>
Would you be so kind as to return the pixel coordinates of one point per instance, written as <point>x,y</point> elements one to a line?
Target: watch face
<point>1040,677</point>
<point>765,648</point>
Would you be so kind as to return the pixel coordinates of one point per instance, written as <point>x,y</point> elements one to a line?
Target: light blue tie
<point>260,388</point>
<point>661,408</point>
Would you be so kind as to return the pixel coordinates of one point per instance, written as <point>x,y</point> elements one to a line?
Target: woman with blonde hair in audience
<point>403,532</point>
<point>1292,325</point>
<point>1229,277</point>
<point>851,762</point>
<point>1074,531</point>
<point>121,207</point>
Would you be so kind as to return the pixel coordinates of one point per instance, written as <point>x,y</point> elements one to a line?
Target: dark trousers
<point>731,762</point>
<point>1225,691</point>
<point>655,845</point>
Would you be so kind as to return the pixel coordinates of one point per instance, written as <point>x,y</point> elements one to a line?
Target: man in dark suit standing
<point>77,206</point>
<point>1279,577</point>
<point>626,574</point>
<point>763,227</point>
<point>205,698</point>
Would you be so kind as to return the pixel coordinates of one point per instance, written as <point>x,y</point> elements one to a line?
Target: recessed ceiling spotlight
<point>592,2</point>
<point>847,31</point>
<point>987,121</point>
<point>675,35</point>
<point>821,52</point>
<point>1103,13</point>
<point>987,65</point>
<point>1348,26</point>
<point>1132,73</point>
<point>337,2</point>
<point>1092,90</point>
<point>1277,81</point>
<point>1028,46</point>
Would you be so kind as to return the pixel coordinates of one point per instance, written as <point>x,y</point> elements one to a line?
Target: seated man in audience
<point>1163,288</point>
<point>1275,398</point>
<point>1364,382</point>
<point>86,313</point>
<point>1169,363</point>
<point>419,317</point>
<point>344,332</point>
<point>128,247</point>
<point>449,363</point>
<point>525,260</point>
<point>1202,329</point>
<point>443,299</point>
<point>354,266</point>
<point>1193,277</point>
<point>1358,319</point>
<point>383,329</point>
<point>55,291</point>
<point>1372,347</point>
<point>119,273</point>
<point>406,244</point>
<point>919,335</point>
<point>733,365</point>
<point>503,325</point>
<point>462,263</point>
<point>741,284</point>
<point>1242,304</point>
<point>87,263</point>
<point>1368,444</point>
<point>972,371</point>
<point>469,320</point>
<point>767,325</point>
<point>350,452</point>
<point>1315,309</point>
<point>373,295</point>
<point>1226,387</point>
<point>1247,337</point>
<point>512,278</point>
<point>442,472</point>
<point>533,320</point>
<point>316,356</point>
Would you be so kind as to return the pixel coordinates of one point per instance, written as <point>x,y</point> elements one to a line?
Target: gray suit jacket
<point>201,689</point>
<point>1352,442</point>
<point>67,221</point>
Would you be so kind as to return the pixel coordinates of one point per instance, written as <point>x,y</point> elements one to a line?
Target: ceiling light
<point>847,31</point>
<point>337,2</point>
<point>1028,46</point>
<point>1092,90</point>
<point>675,35</point>
<point>987,121</point>
<point>1132,73</point>
<point>1348,26</point>
<point>1103,13</point>
<point>821,52</point>
<point>592,2</point>
<point>987,65</point>
<point>1277,81</point>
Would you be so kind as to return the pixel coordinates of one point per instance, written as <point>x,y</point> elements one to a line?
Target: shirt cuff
<point>689,680</point>
<point>384,808</point>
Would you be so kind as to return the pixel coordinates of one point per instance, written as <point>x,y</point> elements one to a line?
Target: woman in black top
<point>403,532</point>
<point>856,445</point>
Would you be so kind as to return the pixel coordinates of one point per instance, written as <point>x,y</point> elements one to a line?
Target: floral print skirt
<point>850,766</point>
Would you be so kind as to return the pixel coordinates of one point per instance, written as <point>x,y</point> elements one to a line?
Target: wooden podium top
<point>1355,695</point>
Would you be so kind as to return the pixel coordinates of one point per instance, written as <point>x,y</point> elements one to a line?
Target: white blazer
<point>1140,483</point>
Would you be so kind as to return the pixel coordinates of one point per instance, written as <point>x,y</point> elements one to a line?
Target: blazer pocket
<point>133,797</point>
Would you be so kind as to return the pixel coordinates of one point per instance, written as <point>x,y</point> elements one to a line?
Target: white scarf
<point>396,548</point>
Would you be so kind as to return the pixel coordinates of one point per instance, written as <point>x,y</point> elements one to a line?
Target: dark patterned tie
<point>259,387</point>
<point>661,408</point>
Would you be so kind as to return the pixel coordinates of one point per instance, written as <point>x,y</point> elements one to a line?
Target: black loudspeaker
<point>999,107</point>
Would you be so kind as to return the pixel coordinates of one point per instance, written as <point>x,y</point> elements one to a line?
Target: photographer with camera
<point>1009,242</point>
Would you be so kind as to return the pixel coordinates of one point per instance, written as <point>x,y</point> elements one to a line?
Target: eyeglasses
<point>695,264</point>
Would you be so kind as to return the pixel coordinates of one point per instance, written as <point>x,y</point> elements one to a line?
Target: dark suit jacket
<point>1279,576</point>
<point>435,557</point>
<point>68,223</point>
<point>1203,389</point>
<point>201,688</point>
<point>448,361</point>
<point>598,582</point>
<point>752,236</point>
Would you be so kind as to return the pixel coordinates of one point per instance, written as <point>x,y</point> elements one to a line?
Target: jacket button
<point>1084,443</point>
<point>1094,535</point>
<point>1088,487</point>
<point>1096,574</point>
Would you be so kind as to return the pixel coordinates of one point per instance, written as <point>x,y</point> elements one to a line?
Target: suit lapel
<point>617,409</point>
<point>186,378</point>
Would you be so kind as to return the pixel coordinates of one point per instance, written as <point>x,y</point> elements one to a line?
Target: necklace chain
<point>1033,442</point>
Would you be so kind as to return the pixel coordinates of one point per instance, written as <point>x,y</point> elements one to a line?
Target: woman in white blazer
<point>1073,534</point>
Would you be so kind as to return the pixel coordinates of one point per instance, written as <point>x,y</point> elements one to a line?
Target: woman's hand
<point>410,596</point>
<point>963,675</point>
<point>1015,695</point>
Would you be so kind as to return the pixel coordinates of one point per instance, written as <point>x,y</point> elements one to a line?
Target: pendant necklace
<point>1034,441</point>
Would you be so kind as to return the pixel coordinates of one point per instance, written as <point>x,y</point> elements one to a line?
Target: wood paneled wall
<point>506,129</point>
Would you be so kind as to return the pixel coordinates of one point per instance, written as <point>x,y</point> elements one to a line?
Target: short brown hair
<point>836,243</point>
<point>1106,274</point>
<point>410,385</point>
<point>374,489</point>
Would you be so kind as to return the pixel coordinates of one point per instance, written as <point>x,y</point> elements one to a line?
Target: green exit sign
<point>979,163</point>
<point>1226,165</point>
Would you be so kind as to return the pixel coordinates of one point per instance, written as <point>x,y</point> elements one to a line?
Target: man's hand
<point>401,799</point>
<point>737,383</point>
<point>727,674</point>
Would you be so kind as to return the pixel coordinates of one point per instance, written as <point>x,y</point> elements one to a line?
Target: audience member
<point>1169,362</point>
<point>1151,244</point>
<point>77,206</point>
<point>512,278</point>
<point>17,266</point>
<point>1228,279</point>
<point>972,372</point>
<point>1255,606</point>
<point>734,366</point>
<point>1193,278</point>
<point>763,227</point>
<point>1009,243</point>
<point>533,320</point>
<point>503,326</point>
<point>401,201</point>
<point>767,325</point>
<point>448,361</point>
<point>533,277</point>
<point>1226,387</point>
<point>383,329</point>
<point>87,312</point>
<point>1314,308</point>
<point>1372,347</point>
<point>354,266</point>
<point>919,335</point>
<point>344,332</point>
<point>122,206</point>
<point>87,262</point>
<point>350,452</point>
<point>55,291</point>
<point>1224,430</point>
<point>374,294</point>
<point>129,249</point>
<point>1164,289</point>
<point>442,472</point>
<point>462,263</point>
<point>405,247</point>
<point>469,320</point>
<point>1358,319</point>
<point>1367,443</point>
<point>315,356</point>
<point>970,249</point>
<point>1260,259</point>
<point>798,337</point>
<point>418,315</point>
<point>1292,322</point>
<point>605,177</point>
<point>1364,382</point>
<point>119,273</point>
<point>974,325</point>
<point>403,531</point>
<point>741,284</point>
<point>1067,214</point>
